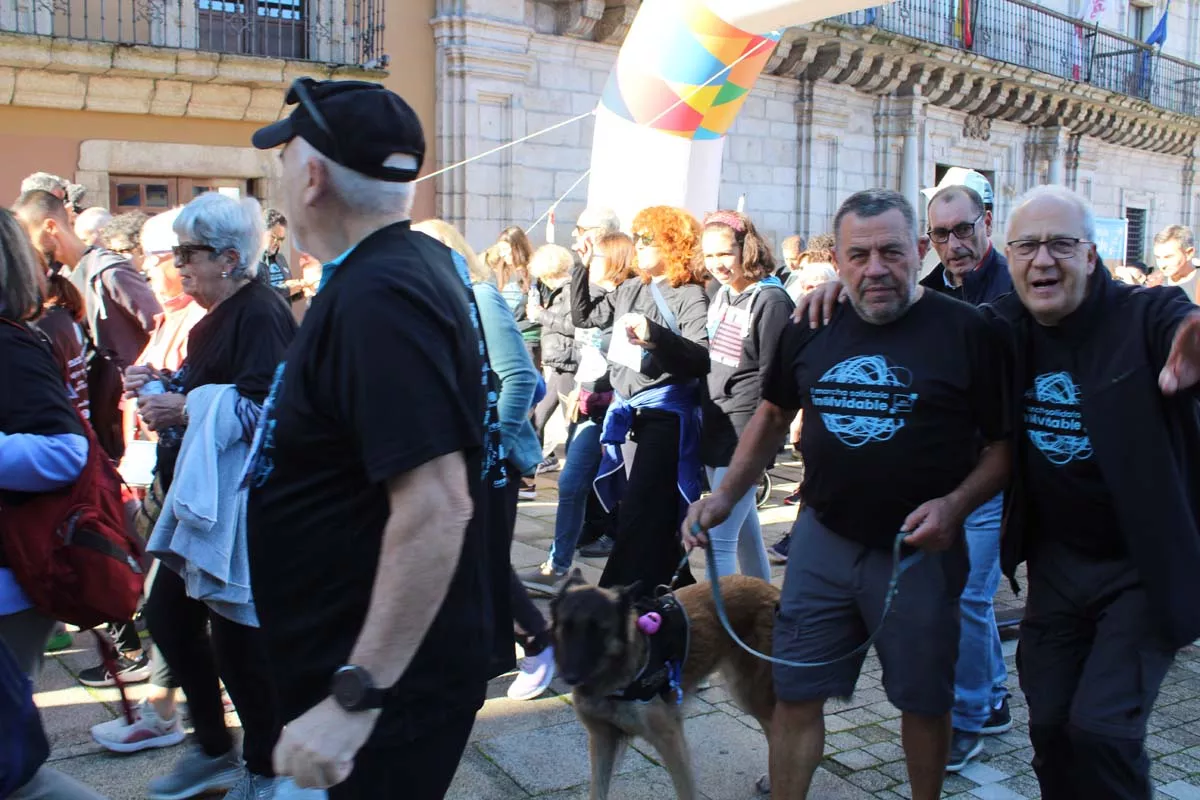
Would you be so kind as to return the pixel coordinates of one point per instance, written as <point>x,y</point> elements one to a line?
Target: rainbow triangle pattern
<point>664,77</point>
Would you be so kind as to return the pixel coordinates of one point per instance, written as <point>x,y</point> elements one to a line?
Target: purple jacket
<point>121,308</point>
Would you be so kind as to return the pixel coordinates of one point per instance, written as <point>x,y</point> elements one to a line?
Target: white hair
<point>1062,194</point>
<point>158,234</point>
<point>89,223</point>
<point>363,194</point>
<point>603,218</point>
<point>223,223</point>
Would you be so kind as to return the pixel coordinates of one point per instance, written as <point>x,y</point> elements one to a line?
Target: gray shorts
<point>833,595</point>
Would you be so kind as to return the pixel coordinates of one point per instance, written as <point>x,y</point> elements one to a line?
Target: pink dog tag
<point>649,623</point>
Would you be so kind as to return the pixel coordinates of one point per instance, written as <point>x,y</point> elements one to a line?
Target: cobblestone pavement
<point>538,749</point>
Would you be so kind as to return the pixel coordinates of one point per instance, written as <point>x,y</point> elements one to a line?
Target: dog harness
<point>661,674</point>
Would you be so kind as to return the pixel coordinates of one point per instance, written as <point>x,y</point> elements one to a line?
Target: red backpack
<point>71,550</point>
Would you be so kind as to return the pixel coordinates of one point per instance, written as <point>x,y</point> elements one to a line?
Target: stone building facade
<point>841,106</point>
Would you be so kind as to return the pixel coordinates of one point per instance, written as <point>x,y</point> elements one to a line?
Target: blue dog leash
<point>899,565</point>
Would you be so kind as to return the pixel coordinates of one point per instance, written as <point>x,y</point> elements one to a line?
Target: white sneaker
<point>148,730</point>
<point>536,673</point>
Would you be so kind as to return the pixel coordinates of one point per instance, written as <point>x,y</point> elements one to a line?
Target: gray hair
<point>89,223</point>
<point>1179,234</point>
<point>948,193</point>
<point>604,219</point>
<point>225,224</point>
<point>361,194</point>
<point>1062,194</point>
<point>872,203</point>
<point>44,182</point>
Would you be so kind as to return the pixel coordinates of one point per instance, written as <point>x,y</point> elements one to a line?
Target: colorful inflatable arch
<point>681,77</point>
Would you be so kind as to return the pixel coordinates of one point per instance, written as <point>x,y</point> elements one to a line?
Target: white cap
<point>959,176</point>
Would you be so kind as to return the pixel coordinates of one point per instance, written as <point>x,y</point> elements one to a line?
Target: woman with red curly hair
<point>658,356</point>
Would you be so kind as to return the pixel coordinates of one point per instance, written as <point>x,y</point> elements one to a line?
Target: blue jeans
<point>574,486</point>
<point>980,676</point>
<point>738,540</point>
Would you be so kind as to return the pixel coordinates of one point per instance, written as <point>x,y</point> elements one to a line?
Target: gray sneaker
<point>541,579</point>
<point>196,774</point>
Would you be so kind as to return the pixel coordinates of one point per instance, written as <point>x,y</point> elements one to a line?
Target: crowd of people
<point>325,464</point>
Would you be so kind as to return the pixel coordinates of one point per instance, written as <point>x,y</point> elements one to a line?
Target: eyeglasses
<point>644,239</point>
<point>300,87</point>
<point>184,252</point>
<point>125,251</point>
<point>960,231</point>
<point>1059,246</point>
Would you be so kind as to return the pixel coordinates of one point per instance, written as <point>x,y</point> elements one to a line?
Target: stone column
<point>1054,151</point>
<point>1188,206</point>
<point>910,124</point>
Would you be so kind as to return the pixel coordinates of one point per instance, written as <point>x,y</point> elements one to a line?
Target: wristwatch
<point>354,690</point>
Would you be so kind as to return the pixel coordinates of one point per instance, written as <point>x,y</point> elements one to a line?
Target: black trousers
<point>420,769</point>
<point>530,625</point>
<point>234,653</point>
<point>559,384</point>
<point>1091,663</point>
<point>647,546</point>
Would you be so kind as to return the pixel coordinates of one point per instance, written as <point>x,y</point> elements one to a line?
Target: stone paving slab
<point>538,749</point>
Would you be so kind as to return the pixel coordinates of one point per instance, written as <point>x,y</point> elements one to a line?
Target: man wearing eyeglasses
<point>1103,503</point>
<point>972,270</point>
<point>591,225</point>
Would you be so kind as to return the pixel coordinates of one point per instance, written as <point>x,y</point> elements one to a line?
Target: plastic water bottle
<point>152,388</point>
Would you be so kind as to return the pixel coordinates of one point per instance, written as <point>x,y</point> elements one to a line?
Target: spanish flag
<point>963,29</point>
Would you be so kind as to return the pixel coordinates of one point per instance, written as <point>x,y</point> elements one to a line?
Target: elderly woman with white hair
<point>232,355</point>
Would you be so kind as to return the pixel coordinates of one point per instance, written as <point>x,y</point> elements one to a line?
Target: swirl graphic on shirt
<point>863,399</point>
<point>1054,421</point>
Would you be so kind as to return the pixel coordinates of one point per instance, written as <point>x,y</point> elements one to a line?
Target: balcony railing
<point>1022,33</point>
<point>344,32</point>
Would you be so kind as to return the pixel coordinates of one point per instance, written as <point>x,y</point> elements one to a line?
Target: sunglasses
<point>644,239</point>
<point>300,87</point>
<point>184,252</point>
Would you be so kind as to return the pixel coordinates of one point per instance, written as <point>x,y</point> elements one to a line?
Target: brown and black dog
<point>599,651</point>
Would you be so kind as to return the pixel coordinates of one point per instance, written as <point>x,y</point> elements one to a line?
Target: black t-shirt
<point>894,415</point>
<point>240,342</point>
<point>34,399</point>
<point>1071,504</point>
<point>741,342</point>
<point>384,376</point>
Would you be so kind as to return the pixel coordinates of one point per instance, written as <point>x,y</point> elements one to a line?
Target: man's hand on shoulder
<point>816,307</point>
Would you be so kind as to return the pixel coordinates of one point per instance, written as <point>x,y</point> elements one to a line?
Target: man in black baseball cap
<point>367,503</point>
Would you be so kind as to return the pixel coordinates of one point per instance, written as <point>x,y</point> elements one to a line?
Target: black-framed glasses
<point>961,231</point>
<point>184,252</point>
<point>1058,247</point>
<point>644,239</point>
<point>300,87</point>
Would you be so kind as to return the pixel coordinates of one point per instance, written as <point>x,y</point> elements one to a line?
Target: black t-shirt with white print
<point>742,337</point>
<point>894,415</point>
<point>384,376</point>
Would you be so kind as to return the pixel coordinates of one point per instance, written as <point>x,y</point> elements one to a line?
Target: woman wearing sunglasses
<point>239,343</point>
<point>658,355</point>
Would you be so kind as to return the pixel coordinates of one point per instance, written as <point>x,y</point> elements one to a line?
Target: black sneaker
<point>549,464</point>
<point>130,671</point>
<point>999,721</point>
<point>779,551</point>
<point>963,747</point>
<point>601,548</point>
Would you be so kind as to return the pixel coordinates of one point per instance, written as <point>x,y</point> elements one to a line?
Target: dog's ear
<point>574,579</point>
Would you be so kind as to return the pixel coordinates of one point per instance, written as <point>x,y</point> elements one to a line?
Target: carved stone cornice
<point>578,18</point>
<point>616,21</point>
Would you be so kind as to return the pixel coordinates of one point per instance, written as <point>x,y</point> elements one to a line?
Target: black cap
<point>353,123</point>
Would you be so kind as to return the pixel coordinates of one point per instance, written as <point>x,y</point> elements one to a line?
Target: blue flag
<point>1158,36</point>
<point>869,16</point>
